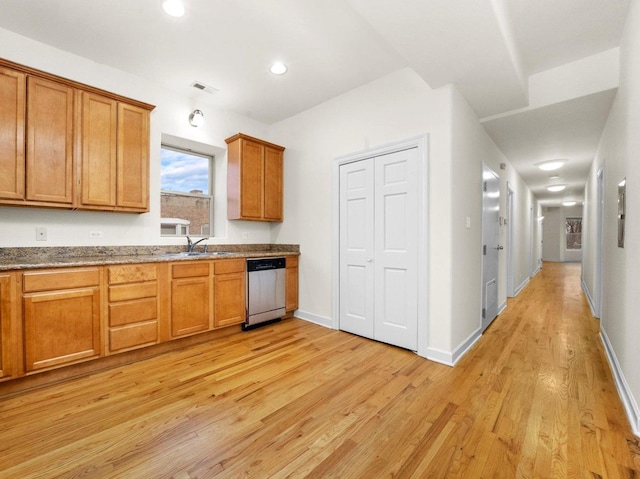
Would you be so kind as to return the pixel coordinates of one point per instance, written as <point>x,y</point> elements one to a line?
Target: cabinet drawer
<point>230,266</point>
<point>190,270</point>
<point>133,311</point>
<point>292,261</point>
<point>126,292</point>
<point>60,279</point>
<point>132,273</point>
<point>133,335</point>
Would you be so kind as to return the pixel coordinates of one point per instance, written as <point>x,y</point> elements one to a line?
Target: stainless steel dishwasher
<point>265,291</point>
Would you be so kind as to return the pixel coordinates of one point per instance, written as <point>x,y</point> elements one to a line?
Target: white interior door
<point>378,248</point>
<point>396,242</point>
<point>490,245</point>
<point>356,247</point>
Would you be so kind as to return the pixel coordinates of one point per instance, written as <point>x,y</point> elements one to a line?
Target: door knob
<point>499,247</point>
<point>369,260</point>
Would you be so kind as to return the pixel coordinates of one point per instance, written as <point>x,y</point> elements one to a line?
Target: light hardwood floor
<point>533,398</point>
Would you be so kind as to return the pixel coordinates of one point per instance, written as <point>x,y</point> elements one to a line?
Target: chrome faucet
<point>191,244</point>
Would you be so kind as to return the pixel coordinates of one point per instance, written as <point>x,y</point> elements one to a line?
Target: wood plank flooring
<point>533,399</point>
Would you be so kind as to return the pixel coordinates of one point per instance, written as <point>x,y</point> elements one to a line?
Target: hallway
<point>533,398</point>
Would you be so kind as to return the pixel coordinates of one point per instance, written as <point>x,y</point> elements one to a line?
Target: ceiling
<point>487,48</point>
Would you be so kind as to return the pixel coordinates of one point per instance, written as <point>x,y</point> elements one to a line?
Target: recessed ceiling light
<point>555,188</point>
<point>554,177</point>
<point>551,164</point>
<point>278,68</point>
<point>568,203</point>
<point>175,8</point>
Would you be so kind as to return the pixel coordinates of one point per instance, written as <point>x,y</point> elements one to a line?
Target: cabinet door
<point>190,305</point>
<point>291,286</point>
<point>251,179</point>
<point>133,158</point>
<point>12,107</point>
<point>230,303</point>
<point>49,142</point>
<point>99,123</point>
<point>272,184</point>
<point>61,327</point>
<point>6,331</point>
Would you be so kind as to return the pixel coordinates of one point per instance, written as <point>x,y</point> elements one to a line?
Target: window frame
<point>210,195</point>
<point>566,234</point>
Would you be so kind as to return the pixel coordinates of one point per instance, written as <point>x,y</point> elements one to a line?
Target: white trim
<point>536,271</point>
<point>587,293</point>
<point>628,401</point>
<point>314,318</point>
<point>502,307</point>
<point>521,286</point>
<point>451,359</point>
<point>422,144</point>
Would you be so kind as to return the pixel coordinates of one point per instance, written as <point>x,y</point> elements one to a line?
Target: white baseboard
<point>628,401</point>
<point>536,271</point>
<point>451,358</point>
<point>587,293</point>
<point>502,307</point>
<point>521,287</point>
<point>314,318</point>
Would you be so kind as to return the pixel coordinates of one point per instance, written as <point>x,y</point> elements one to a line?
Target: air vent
<point>204,87</point>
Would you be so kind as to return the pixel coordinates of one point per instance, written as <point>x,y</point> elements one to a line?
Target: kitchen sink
<point>201,254</point>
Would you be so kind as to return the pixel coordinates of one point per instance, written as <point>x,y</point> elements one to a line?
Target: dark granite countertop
<point>59,257</point>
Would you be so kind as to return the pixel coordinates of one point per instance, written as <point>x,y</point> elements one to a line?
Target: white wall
<point>71,228</point>
<point>619,151</point>
<point>471,146</point>
<point>554,247</point>
<point>393,108</point>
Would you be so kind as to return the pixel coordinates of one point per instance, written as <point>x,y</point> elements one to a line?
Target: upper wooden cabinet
<point>115,155</point>
<point>49,142</point>
<point>13,87</point>
<point>68,145</point>
<point>254,179</point>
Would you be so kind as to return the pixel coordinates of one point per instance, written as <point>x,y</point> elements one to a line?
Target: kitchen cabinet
<point>230,292</point>
<point>133,306</point>
<point>13,87</point>
<point>254,179</point>
<point>191,297</point>
<point>115,155</point>
<point>291,284</point>
<point>49,155</point>
<point>69,145</point>
<point>133,158</point>
<point>7,330</point>
<point>62,317</point>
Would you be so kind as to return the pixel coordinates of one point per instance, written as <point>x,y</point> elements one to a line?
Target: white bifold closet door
<point>378,248</point>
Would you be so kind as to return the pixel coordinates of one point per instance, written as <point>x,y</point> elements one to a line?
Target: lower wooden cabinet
<point>133,306</point>
<point>61,320</point>
<point>191,297</point>
<point>291,287</point>
<point>7,331</point>
<point>230,292</point>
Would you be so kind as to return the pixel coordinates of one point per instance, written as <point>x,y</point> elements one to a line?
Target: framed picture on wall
<point>622,191</point>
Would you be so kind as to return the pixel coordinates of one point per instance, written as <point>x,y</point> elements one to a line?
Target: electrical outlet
<point>245,235</point>
<point>41,233</point>
<point>95,234</point>
<point>468,223</point>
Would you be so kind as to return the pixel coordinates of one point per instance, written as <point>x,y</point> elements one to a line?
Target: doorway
<point>381,245</point>
<point>509,222</point>
<point>490,244</point>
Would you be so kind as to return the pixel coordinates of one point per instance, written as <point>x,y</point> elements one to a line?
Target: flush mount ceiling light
<point>551,164</point>
<point>568,203</point>
<point>175,8</point>
<point>278,68</point>
<point>196,118</point>
<point>555,188</point>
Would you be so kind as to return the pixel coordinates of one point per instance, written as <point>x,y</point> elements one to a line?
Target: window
<point>574,233</point>
<point>186,192</point>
